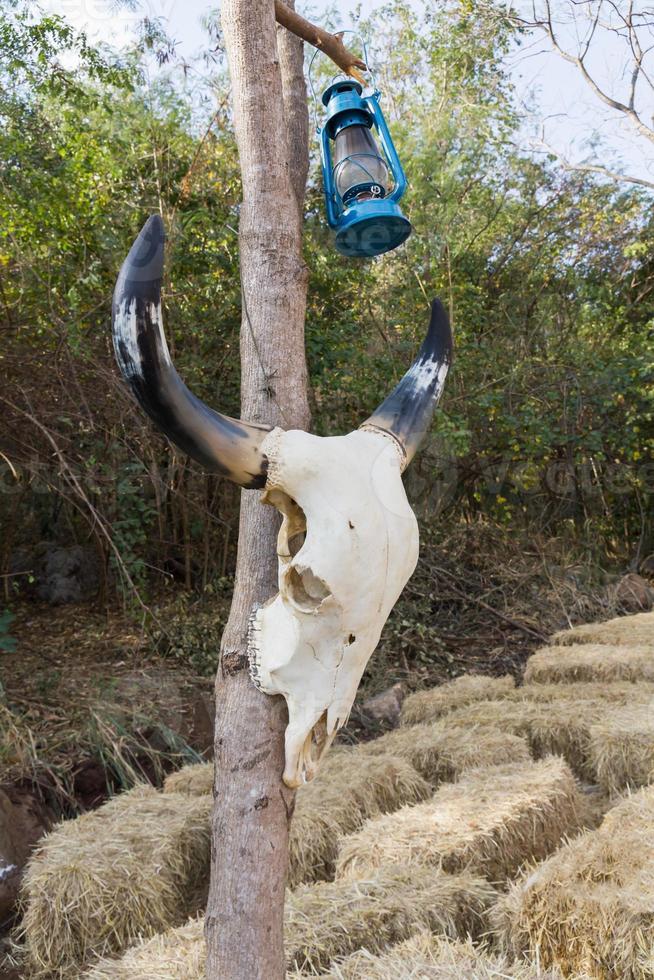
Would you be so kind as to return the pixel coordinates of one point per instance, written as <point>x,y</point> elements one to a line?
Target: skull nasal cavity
<point>305,589</point>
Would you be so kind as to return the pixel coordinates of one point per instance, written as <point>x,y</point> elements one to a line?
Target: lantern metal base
<point>371,228</point>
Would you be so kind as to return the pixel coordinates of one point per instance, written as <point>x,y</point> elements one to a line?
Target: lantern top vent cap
<point>345,85</point>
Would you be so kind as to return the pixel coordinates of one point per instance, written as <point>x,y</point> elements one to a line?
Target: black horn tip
<point>142,271</point>
<point>438,344</point>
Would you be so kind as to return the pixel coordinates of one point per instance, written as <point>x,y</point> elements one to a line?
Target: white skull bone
<point>312,641</point>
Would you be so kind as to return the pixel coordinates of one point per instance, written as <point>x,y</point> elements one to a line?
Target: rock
<point>385,708</point>
<point>67,574</point>
<point>92,784</point>
<point>633,593</point>
<point>23,821</point>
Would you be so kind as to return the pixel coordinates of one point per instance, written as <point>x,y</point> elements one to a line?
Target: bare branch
<point>330,44</point>
<point>592,168</point>
<point>605,172</point>
<point>628,108</point>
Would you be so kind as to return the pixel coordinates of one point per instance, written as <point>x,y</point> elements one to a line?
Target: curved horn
<point>408,410</point>
<point>219,443</point>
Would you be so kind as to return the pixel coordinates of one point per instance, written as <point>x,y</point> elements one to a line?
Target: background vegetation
<point>535,488</point>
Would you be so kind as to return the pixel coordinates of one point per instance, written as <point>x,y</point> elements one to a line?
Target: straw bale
<point>194,780</point>
<point>590,662</point>
<point>336,918</point>
<point>590,906</point>
<point>438,701</point>
<point>556,725</point>
<point>638,630</point>
<point>327,920</point>
<point>491,821</point>
<point>349,788</point>
<point>429,957</point>
<point>177,954</point>
<point>97,884</point>
<point>551,728</point>
<point>441,753</point>
<point>141,863</point>
<point>622,748</point>
<point>338,802</point>
<point>612,692</point>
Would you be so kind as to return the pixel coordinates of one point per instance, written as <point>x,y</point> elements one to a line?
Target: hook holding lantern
<point>363,183</point>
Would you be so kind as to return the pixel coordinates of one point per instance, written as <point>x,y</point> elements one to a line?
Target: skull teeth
<point>253,649</point>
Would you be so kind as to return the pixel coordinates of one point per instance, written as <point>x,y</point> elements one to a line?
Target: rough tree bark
<point>252,806</point>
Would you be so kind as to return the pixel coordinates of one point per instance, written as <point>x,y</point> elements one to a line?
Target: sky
<point>560,111</point>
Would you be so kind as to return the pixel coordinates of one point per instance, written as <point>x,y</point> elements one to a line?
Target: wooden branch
<point>590,168</point>
<point>593,168</point>
<point>330,44</point>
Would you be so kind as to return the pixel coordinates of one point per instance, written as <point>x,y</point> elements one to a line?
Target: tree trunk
<point>253,808</point>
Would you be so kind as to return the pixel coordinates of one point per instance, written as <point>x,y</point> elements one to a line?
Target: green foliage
<point>547,419</point>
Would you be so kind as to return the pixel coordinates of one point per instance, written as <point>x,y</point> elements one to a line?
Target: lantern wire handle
<point>369,70</point>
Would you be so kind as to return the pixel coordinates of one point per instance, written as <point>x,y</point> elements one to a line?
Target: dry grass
<point>350,788</point>
<point>440,753</point>
<point>428,956</point>
<point>195,780</point>
<point>590,662</point>
<point>432,704</point>
<point>632,630</point>
<point>328,920</point>
<point>590,907</point>
<point>622,748</point>
<point>97,884</point>
<point>491,821</point>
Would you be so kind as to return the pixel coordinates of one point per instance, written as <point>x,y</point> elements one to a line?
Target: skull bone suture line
<point>348,542</point>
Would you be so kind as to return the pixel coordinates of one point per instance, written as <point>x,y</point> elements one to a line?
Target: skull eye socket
<point>296,542</point>
<point>305,589</point>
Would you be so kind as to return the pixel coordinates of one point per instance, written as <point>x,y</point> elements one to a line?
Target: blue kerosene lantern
<point>362,186</point>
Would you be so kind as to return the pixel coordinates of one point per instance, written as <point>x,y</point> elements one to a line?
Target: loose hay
<point>441,753</point>
<point>438,701</point>
<point>428,956</point>
<point>339,800</point>
<point>590,907</point>
<point>622,748</point>
<point>590,662</point>
<point>491,822</point>
<point>195,780</point>
<point>631,630</point>
<point>97,884</point>
<point>328,920</point>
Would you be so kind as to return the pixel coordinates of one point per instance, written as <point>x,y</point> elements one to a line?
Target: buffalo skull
<point>348,541</point>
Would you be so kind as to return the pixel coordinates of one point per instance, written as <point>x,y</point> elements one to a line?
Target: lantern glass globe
<point>360,172</point>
